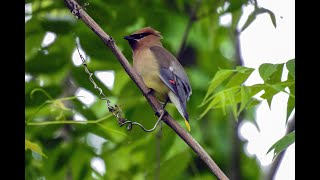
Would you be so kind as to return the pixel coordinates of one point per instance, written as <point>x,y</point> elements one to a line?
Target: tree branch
<point>236,142</point>
<point>239,60</point>
<point>158,152</point>
<point>81,14</point>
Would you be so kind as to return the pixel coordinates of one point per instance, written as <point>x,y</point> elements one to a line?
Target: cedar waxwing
<point>160,70</point>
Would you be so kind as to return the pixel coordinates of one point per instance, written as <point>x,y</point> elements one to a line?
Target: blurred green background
<point>70,149</point>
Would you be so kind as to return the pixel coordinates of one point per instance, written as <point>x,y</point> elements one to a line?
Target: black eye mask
<point>139,36</point>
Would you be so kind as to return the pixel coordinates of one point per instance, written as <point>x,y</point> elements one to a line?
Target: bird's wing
<point>175,84</point>
<point>172,74</point>
<point>168,62</point>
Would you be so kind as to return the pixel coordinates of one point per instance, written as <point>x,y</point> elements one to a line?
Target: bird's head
<point>144,37</point>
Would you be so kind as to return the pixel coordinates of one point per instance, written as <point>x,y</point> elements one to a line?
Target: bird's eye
<point>140,36</point>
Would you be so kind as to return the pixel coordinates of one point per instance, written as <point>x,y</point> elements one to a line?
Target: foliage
<point>33,147</point>
<point>232,93</point>
<point>257,11</point>
<point>52,106</point>
<point>282,144</point>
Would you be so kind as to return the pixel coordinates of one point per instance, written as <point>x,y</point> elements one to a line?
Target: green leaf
<point>255,89</point>
<point>282,144</point>
<point>244,98</point>
<point>268,95</point>
<point>266,70</point>
<point>291,76</point>
<point>271,74</point>
<point>280,86</point>
<point>271,14</point>
<point>233,104</point>
<point>219,77</point>
<point>271,89</point>
<point>33,147</point>
<point>230,94</point>
<point>243,69</point>
<point>291,68</point>
<point>250,19</point>
<point>210,106</point>
<point>241,76</point>
<point>273,18</point>
<point>218,100</point>
<point>291,102</point>
<point>252,102</point>
<point>276,76</point>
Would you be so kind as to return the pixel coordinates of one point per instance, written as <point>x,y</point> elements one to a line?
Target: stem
<point>81,14</point>
<point>67,122</point>
<point>158,150</point>
<point>236,142</point>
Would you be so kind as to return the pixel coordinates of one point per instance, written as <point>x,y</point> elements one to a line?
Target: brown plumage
<point>160,70</point>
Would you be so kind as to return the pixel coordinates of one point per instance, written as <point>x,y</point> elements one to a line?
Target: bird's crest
<point>148,30</point>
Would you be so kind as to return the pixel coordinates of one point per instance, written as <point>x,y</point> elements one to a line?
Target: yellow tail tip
<point>187,124</point>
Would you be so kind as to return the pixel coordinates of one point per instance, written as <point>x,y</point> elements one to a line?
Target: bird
<point>160,70</point>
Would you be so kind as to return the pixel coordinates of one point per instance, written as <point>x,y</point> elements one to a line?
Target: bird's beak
<point>128,38</point>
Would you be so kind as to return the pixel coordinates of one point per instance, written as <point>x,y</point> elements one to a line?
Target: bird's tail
<point>187,124</point>
<point>181,108</point>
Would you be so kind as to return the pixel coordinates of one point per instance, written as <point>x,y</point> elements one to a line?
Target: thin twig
<point>81,14</point>
<point>239,59</point>
<point>67,122</point>
<point>158,150</point>
<point>140,125</point>
<point>236,142</point>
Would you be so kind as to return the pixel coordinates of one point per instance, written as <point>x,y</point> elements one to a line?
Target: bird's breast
<point>145,63</point>
<point>147,66</point>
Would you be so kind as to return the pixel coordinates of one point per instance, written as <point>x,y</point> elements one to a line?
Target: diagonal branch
<point>81,14</point>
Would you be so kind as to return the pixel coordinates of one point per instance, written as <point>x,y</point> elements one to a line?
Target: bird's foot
<point>150,91</point>
<point>160,113</point>
<point>165,103</point>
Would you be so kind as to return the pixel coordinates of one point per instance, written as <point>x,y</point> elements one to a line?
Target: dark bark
<point>235,140</point>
